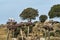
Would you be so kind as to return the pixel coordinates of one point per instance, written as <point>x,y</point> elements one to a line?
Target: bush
<point>57,31</point>
<point>51,34</point>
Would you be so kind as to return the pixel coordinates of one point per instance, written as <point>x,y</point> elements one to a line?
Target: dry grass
<point>3,33</point>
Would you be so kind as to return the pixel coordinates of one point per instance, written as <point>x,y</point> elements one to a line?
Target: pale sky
<point>12,8</point>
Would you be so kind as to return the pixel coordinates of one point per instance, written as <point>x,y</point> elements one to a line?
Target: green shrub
<point>51,34</point>
<point>57,31</point>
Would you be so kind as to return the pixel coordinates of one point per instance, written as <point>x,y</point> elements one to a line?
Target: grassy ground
<point>3,33</point>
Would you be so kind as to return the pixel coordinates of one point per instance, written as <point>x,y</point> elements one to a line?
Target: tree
<point>55,11</point>
<point>29,14</point>
<point>42,18</point>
